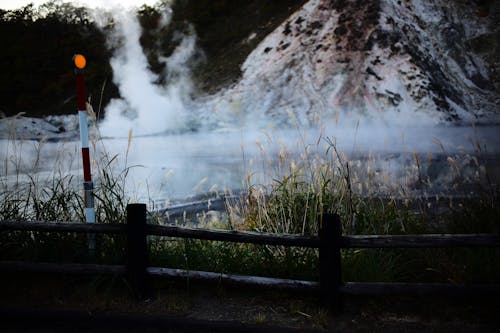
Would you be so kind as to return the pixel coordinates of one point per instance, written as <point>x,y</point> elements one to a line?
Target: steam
<point>146,107</point>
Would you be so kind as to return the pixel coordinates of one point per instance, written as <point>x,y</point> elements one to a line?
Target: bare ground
<point>51,303</point>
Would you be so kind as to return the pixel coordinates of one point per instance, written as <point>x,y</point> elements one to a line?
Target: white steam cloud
<point>146,107</point>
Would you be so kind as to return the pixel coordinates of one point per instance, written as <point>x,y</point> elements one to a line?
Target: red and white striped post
<point>88,186</point>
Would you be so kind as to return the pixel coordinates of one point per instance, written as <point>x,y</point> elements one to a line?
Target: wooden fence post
<point>137,250</point>
<point>330,274</point>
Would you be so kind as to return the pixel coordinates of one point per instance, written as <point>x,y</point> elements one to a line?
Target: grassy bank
<point>306,185</point>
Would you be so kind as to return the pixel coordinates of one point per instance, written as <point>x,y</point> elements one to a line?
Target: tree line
<point>36,59</point>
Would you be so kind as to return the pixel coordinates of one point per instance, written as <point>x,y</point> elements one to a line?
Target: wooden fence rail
<point>329,242</point>
<point>346,242</point>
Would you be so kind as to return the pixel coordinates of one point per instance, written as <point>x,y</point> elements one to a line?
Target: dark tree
<point>37,49</point>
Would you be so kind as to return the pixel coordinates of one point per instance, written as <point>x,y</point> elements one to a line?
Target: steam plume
<point>145,106</point>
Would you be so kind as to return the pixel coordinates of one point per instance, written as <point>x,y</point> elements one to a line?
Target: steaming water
<point>182,165</point>
<point>177,166</point>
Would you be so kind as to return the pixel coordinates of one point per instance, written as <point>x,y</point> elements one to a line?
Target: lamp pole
<point>88,186</point>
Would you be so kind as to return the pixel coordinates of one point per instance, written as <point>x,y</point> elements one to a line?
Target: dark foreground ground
<point>49,303</point>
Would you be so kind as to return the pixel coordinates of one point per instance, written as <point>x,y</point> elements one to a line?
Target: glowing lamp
<point>79,61</point>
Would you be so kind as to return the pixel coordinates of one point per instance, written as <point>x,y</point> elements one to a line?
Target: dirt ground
<point>48,303</point>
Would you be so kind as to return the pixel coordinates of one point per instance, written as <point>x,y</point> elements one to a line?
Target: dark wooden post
<point>137,249</point>
<point>330,274</point>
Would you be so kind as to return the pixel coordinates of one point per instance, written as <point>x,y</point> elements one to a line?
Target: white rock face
<point>398,63</point>
<point>51,128</point>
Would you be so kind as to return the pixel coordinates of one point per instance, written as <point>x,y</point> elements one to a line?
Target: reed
<point>317,180</point>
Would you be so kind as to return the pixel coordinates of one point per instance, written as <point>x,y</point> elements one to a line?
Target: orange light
<point>79,61</point>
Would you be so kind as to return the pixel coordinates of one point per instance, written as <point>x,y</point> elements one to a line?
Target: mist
<point>146,108</point>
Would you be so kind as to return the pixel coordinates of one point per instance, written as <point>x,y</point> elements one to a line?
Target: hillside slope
<point>394,62</point>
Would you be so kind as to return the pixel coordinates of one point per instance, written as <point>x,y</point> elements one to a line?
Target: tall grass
<point>30,191</point>
<point>369,199</point>
<point>54,193</point>
<point>305,185</point>
<point>319,183</point>
<point>368,203</point>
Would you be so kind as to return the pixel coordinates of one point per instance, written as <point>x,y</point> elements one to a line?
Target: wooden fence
<point>330,241</point>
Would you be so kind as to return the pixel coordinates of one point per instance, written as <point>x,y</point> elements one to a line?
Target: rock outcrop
<point>398,62</point>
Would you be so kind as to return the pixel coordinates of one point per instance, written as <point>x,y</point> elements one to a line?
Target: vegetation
<point>305,188</point>
<point>36,60</point>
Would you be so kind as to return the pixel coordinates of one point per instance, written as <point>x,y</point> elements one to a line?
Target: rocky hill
<point>406,62</point>
<point>36,59</point>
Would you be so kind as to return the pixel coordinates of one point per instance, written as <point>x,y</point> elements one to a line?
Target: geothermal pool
<point>176,167</point>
